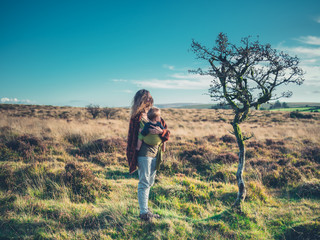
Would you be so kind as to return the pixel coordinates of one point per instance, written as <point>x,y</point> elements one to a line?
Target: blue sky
<point>79,52</point>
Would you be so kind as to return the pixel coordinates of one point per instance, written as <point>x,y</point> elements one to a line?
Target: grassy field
<point>64,175</point>
<point>300,109</point>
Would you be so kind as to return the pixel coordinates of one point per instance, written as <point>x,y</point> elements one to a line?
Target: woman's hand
<point>155,130</point>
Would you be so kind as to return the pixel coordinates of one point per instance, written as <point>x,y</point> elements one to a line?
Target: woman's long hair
<point>140,102</point>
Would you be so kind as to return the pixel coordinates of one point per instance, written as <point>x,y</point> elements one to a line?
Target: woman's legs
<point>147,174</point>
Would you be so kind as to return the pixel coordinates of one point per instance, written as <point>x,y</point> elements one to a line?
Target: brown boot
<point>146,216</point>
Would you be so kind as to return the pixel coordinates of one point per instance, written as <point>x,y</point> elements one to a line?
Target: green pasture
<point>300,109</point>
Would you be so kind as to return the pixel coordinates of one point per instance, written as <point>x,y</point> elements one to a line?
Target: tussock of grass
<point>82,184</point>
<point>310,189</point>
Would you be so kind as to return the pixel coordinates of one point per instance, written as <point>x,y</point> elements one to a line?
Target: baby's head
<point>154,114</point>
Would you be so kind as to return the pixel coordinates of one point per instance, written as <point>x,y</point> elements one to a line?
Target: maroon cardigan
<point>132,153</point>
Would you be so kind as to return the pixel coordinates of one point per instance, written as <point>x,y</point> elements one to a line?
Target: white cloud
<point>313,40</point>
<point>119,80</point>
<point>14,100</point>
<point>303,51</point>
<point>127,91</point>
<point>170,67</point>
<point>312,75</point>
<point>5,99</point>
<point>309,61</point>
<point>317,19</point>
<point>178,81</point>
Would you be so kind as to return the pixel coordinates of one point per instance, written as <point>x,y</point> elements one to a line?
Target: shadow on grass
<point>216,217</point>
<point>118,174</point>
<point>14,229</point>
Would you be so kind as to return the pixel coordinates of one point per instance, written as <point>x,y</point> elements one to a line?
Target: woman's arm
<point>132,143</point>
<point>155,130</point>
<point>139,143</point>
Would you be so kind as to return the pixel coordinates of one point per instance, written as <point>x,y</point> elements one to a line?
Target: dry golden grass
<point>184,124</point>
<point>58,128</point>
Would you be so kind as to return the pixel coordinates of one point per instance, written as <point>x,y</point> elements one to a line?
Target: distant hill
<point>208,105</point>
<point>264,106</point>
<point>185,105</point>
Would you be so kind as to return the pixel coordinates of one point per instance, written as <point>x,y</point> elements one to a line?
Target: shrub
<point>7,106</point>
<point>271,142</point>
<point>200,158</point>
<point>276,147</point>
<point>226,158</point>
<point>191,209</point>
<point>110,112</point>
<point>75,139</point>
<point>288,175</point>
<point>251,153</point>
<point>309,230</point>
<point>103,159</point>
<point>189,153</point>
<point>7,178</point>
<point>94,110</point>
<point>83,185</point>
<point>219,177</point>
<point>103,145</point>
<point>298,115</point>
<point>312,153</point>
<point>63,115</point>
<point>199,162</point>
<point>228,139</point>
<point>34,176</point>
<point>170,168</point>
<point>283,162</point>
<point>211,138</point>
<point>310,171</point>
<point>272,179</point>
<point>307,190</point>
<point>256,191</point>
<point>7,154</point>
<point>195,192</point>
<point>223,176</point>
<point>255,144</point>
<point>6,201</point>
<point>27,146</point>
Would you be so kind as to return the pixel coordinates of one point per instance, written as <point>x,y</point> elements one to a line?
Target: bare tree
<point>94,110</point>
<point>246,76</point>
<point>109,112</point>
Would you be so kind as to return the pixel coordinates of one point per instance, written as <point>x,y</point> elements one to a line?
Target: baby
<point>151,139</point>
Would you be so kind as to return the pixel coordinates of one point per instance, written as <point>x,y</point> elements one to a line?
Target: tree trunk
<point>242,191</point>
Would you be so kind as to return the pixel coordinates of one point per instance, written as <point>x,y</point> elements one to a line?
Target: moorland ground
<point>64,175</point>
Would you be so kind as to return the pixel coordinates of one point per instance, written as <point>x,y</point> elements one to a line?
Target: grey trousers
<point>147,173</point>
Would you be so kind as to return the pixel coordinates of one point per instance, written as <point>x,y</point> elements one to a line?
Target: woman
<point>145,159</point>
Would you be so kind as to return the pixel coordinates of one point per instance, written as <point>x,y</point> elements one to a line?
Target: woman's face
<point>149,105</point>
<point>149,97</point>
